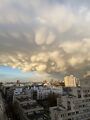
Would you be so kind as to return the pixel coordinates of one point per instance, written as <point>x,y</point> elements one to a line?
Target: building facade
<point>74,105</point>
<point>71,81</point>
<point>27,109</point>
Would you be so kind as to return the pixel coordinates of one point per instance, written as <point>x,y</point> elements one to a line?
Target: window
<point>73,113</point>
<point>69,114</point>
<point>77,112</point>
<point>68,105</point>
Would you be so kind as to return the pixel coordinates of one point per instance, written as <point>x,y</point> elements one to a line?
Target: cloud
<point>45,36</point>
<point>71,46</point>
<point>59,17</point>
<point>87,74</point>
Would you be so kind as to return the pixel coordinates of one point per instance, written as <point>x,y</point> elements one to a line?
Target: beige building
<point>71,81</point>
<point>75,105</point>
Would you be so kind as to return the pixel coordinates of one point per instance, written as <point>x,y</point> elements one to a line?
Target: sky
<point>8,74</point>
<point>44,38</point>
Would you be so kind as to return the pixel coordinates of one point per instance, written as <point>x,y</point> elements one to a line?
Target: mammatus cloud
<point>51,61</point>
<point>45,36</point>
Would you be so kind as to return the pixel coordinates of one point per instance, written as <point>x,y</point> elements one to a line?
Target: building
<point>42,92</point>
<point>18,90</point>
<point>85,82</point>
<point>71,81</point>
<point>27,109</point>
<point>2,109</point>
<point>74,105</point>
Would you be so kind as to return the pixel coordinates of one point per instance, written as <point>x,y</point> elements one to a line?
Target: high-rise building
<point>71,81</point>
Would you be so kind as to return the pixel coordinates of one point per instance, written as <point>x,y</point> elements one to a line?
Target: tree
<point>52,99</point>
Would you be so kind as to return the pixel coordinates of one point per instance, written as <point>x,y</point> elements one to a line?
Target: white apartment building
<point>44,91</point>
<point>18,91</point>
<point>74,105</point>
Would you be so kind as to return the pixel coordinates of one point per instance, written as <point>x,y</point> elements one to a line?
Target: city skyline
<point>51,37</point>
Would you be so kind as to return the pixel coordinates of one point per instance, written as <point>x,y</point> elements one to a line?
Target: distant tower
<point>18,82</point>
<point>71,81</point>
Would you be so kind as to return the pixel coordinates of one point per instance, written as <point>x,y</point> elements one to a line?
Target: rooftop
<point>38,115</point>
<point>22,99</point>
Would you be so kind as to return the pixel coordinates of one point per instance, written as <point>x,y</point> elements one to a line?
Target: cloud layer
<point>46,36</point>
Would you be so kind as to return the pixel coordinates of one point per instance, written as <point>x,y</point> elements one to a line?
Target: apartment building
<point>42,92</point>
<point>73,105</point>
<point>71,81</point>
<point>27,109</point>
<point>2,109</point>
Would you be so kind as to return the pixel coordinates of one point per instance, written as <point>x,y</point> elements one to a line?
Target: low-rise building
<point>28,109</point>
<point>42,92</point>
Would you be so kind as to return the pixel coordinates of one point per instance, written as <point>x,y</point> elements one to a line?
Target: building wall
<point>73,106</point>
<point>70,81</point>
<point>27,107</point>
